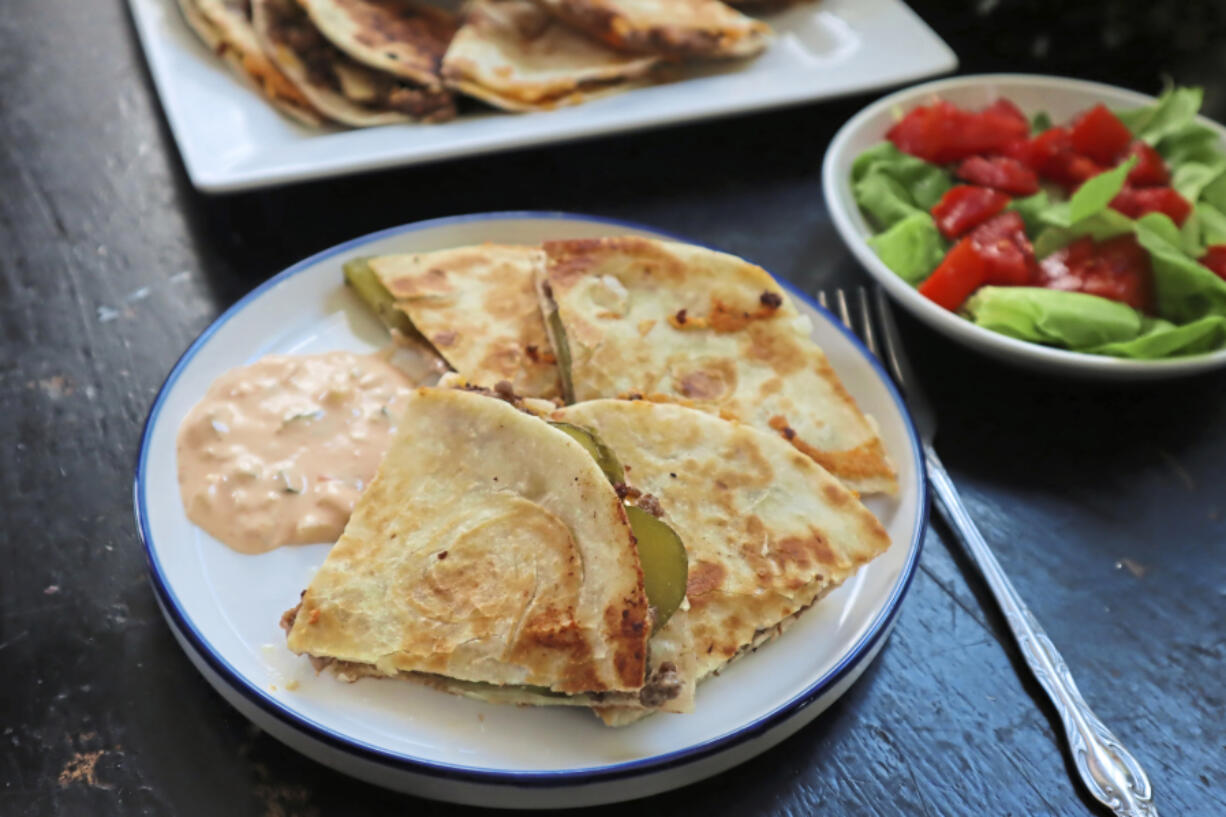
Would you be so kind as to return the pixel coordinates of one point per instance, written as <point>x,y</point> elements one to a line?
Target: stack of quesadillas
<point>640,469</point>
<point>374,62</point>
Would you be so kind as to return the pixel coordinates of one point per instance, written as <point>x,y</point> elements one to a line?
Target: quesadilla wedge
<point>491,556</point>
<point>768,531</point>
<point>342,88</point>
<point>225,27</point>
<point>405,38</point>
<point>478,307</point>
<point>672,321</point>
<point>670,28</point>
<point>513,55</point>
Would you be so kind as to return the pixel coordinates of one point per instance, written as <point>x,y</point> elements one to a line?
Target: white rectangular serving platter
<point>230,139</point>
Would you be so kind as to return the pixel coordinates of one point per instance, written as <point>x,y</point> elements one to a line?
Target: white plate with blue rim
<point>1061,98</point>
<point>224,607</point>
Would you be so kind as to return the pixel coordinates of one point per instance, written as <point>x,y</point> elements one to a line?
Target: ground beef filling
<point>663,685</point>
<point>382,92</point>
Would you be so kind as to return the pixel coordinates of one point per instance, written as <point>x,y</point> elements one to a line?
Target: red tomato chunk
<point>1215,259</point>
<point>1052,156</point>
<point>965,207</point>
<point>1100,135</point>
<point>1150,169</point>
<point>1000,173</point>
<point>1007,254</point>
<point>944,133</point>
<point>1118,268</point>
<point>962,272</point>
<point>1136,202</point>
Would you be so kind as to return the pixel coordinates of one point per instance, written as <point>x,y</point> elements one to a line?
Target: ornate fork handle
<point>1107,769</point>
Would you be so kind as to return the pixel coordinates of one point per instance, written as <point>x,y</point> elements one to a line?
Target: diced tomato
<point>965,207</point>
<point>1215,259</point>
<point>1150,169</point>
<point>1136,202</point>
<point>1056,269</point>
<point>1021,150</point>
<point>1052,156</point>
<point>1118,268</point>
<point>1100,135</point>
<point>1000,173</point>
<point>1007,253</point>
<point>944,133</point>
<point>992,130</point>
<point>1004,108</point>
<point>1047,147</point>
<point>929,132</point>
<point>962,272</point>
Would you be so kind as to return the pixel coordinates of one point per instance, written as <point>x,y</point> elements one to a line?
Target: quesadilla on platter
<point>405,38</point>
<point>670,28</point>
<point>513,55</point>
<point>491,556</point>
<point>225,27</point>
<point>478,307</point>
<point>768,532</point>
<point>672,321</point>
<point>342,88</point>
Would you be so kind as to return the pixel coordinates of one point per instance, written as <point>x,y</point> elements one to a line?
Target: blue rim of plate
<point>531,779</point>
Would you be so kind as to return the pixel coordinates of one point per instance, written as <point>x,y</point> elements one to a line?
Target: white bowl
<point>1062,98</point>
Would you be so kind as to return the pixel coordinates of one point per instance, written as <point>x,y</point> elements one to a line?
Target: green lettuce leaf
<point>924,182</point>
<point>1193,142</point>
<point>912,248</point>
<point>1191,178</point>
<point>1173,110</point>
<point>1097,192</point>
<point>884,199</point>
<point>1214,194</point>
<point>1102,225</point>
<point>1073,320</point>
<point>1159,339</point>
<point>1031,209</point>
<point>1185,289</point>
<point>1211,223</point>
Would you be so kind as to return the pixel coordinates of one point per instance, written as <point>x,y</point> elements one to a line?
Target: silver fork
<point>1110,773</point>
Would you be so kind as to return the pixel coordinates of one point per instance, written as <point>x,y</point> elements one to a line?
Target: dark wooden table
<point>1105,504</point>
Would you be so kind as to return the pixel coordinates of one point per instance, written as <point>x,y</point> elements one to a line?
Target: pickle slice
<point>370,289</point>
<point>600,452</point>
<point>561,350</point>
<point>665,563</point>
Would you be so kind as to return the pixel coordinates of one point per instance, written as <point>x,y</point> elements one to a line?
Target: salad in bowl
<point>1097,229</point>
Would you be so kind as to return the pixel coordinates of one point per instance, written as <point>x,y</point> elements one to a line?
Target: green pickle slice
<point>561,349</point>
<point>661,552</point>
<point>370,289</point>
<point>600,452</point>
<point>665,563</point>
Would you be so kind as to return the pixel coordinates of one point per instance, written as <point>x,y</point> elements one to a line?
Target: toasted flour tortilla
<point>671,28</point>
<point>679,322</point>
<point>513,55</point>
<point>767,530</point>
<point>489,548</point>
<point>405,38</point>
<point>478,307</point>
<point>225,27</point>
<point>345,90</point>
